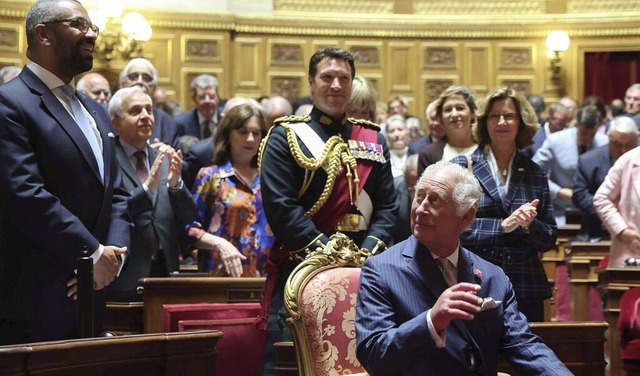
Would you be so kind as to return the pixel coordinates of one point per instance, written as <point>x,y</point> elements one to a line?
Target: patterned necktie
<point>448,270</point>
<point>90,132</point>
<point>206,133</point>
<point>141,167</point>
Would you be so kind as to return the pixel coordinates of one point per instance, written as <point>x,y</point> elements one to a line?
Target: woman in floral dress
<point>230,222</point>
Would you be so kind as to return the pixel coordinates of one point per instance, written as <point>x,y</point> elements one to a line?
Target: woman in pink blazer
<point>617,202</point>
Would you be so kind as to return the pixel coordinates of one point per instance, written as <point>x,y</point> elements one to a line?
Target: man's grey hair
<point>623,124</point>
<point>431,107</point>
<point>635,86</point>
<point>202,81</point>
<point>466,192</point>
<point>115,104</point>
<point>125,71</point>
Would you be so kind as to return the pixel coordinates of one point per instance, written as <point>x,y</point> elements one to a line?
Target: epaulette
<point>292,119</point>
<point>365,123</point>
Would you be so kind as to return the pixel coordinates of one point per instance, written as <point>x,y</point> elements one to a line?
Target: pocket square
<point>489,303</point>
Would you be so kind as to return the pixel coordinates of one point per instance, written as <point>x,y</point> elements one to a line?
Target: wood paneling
<point>415,54</point>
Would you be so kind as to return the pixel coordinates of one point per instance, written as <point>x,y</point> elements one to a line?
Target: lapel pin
<point>111,135</point>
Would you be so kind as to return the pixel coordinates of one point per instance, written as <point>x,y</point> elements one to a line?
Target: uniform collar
<point>325,119</point>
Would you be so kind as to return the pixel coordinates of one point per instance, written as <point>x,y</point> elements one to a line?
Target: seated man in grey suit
<point>427,306</point>
<point>160,202</point>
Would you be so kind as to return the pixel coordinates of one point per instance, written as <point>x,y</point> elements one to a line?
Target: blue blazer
<point>398,286</point>
<point>187,123</point>
<point>593,167</point>
<point>515,252</point>
<point>199,155</point>
<point>53,203</point>
<point>164,128</point>
<point>416,146</point>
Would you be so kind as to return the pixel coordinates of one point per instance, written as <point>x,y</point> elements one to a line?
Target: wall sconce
<point>119,36</point>
<point>557,41</point>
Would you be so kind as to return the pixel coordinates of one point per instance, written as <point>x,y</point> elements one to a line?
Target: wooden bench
<point>579,345</point>
<point>192,353</point>
<point>612,283</point>
<point>583,258</point>
<point>182,290</point>
<point>124,318</point>
<point>550,261</point>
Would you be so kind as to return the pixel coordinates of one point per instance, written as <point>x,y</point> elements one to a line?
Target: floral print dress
<point>230,208</point>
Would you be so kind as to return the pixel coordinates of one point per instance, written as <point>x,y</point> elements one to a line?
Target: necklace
<point>504,172</point>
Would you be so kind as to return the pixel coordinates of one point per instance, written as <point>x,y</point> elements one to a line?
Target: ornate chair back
<point>320,298</point>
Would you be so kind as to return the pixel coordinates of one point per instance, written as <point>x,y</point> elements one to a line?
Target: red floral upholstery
<point>629,326</point>
<point>328,314</point>
<point>320,297</point>
<point>241,347</point>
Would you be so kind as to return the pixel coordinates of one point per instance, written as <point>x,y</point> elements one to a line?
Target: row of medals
<point>367,150</point>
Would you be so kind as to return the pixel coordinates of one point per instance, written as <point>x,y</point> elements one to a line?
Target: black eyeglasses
<point>133,76</point>
<point>77,23</point>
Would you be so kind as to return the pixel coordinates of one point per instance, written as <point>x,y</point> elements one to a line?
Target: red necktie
<point>141,167</point>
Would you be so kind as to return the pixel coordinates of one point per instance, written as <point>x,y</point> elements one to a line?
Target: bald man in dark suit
<point>60,185</point>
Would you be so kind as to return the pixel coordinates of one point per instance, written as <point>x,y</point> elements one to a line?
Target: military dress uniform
<point>321,175</point>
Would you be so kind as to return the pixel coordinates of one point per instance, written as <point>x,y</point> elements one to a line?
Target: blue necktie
<point>90,132</point>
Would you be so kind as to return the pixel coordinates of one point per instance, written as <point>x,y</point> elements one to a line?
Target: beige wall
<point>411,48</point>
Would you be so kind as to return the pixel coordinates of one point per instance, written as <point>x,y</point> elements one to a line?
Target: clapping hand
<point>523,216</point>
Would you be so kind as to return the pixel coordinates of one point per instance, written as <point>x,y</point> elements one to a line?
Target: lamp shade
<point>558,40</point>
<point>135,25</point>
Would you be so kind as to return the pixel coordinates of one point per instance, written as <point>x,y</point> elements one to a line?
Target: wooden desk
<point>124,318</point>
<point>551,259</point>
<point>612,283</point>
<point>192,353</point>
<point>159,291</point>
<point>583,258</point>
<point>579,345</point>
<point>567,232</point>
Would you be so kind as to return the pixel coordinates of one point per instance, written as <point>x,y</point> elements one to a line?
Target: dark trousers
<point>275,323</point>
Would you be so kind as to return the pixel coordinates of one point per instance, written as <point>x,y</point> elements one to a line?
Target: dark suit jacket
<point>169,211</point>
<point>538,140</point>
<point>416,146</point>
<point>165,128</point>
<point>431,154</point>
<point>199,155</point>
<point>398,287</point>
<point>515,252</point>
<point>593,167</point>
<point>187,123</point>
<point>53,204</point>
<point>402,230</point>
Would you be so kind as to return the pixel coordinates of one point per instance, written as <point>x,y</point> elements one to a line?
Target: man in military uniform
<point>321,174</point>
